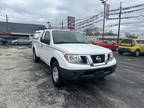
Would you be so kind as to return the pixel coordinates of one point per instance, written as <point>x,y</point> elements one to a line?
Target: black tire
<point>35,58</point>
<point>120,52</point>
<point>59,81</point>
<point>101,78</point>
<point>16,43</point>
<point>137,53</point>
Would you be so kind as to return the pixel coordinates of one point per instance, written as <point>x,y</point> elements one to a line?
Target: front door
<point>45,43</point>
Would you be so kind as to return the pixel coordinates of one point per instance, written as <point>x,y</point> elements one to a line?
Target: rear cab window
<point>38,34</point>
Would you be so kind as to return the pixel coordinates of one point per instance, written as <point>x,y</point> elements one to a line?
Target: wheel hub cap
<point>137,53</point>
<point>55,74</point>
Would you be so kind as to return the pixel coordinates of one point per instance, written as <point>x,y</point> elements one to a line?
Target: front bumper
<point>70,66</point>
<point>124,50</point>
<point>87,74</point>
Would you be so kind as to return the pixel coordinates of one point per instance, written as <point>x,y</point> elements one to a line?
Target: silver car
<point>21,42</point>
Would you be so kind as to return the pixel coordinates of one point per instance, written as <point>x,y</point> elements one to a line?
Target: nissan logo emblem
<point>98,59</point>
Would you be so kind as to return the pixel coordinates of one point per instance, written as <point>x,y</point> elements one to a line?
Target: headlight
<point>111,56</point>
<point>75,59</point>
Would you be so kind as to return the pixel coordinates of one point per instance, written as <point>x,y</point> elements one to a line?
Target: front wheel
<point>56,75</point>
<point>121,53</point>
<point>137,53</point>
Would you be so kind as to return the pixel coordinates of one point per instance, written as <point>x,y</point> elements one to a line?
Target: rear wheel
<point>137,53</point>
<point>121,53</point>
<point>56,75</point>
<point>35,58</point>
<point>16,43</point>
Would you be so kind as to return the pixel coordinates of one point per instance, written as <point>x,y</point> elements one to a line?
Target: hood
<point>87,49</point>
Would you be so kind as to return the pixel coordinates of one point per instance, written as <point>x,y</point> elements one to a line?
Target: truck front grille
<point>98,58</point>
<point>84,60</point>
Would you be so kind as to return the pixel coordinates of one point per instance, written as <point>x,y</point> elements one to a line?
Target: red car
<point>107,44</point>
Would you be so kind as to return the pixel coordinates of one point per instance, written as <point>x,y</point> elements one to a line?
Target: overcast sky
<point>41,11</point>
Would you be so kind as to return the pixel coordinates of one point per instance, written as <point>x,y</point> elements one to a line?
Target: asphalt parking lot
<point>25,84</point>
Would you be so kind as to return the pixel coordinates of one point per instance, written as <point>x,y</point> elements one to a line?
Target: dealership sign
<point>71,22</point>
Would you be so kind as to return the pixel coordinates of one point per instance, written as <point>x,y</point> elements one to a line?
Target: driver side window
<point>46,38</point>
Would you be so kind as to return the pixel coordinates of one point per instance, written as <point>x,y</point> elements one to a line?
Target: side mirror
<point>46,41</point>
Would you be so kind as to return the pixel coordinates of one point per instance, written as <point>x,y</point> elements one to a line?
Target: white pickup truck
<point>71,57</point>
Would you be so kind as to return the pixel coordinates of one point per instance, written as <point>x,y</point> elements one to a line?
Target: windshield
<point>24,39</point>
<point>140,41</point>
<point>98,41</point>
<point>61,37</point>
<point>126,41</point>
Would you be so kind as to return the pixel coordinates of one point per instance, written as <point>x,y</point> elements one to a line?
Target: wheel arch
<point>138,49</point>
<point>16,42</point>
<point>53,59</point>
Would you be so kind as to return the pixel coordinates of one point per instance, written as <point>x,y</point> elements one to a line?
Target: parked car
<point>107,44</point>
<point>71,57</point>
<point>3,41</point>
<point>133,46</point>
<point>21,42</point>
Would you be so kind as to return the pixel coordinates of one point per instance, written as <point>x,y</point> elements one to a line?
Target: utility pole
<point>105,4</point>
<point>104,21</point>
<point>7,28</point>
<point>62,24</point>
<point>119,23</point>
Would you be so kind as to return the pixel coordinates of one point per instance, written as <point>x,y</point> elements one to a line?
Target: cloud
<point>41,11</point>
<point>30,9</point>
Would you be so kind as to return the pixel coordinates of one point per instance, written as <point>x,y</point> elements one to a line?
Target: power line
<point>129,7</point>
<point>130,17</point>
<point>129,23</point>
<point>127,12</point>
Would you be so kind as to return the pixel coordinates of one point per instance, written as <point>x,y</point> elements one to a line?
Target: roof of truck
<point>59,30</point>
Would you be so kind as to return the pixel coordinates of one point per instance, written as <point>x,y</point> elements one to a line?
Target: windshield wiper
<point>61,42</point>
<point>70,42</point>
<point>81,42</point>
